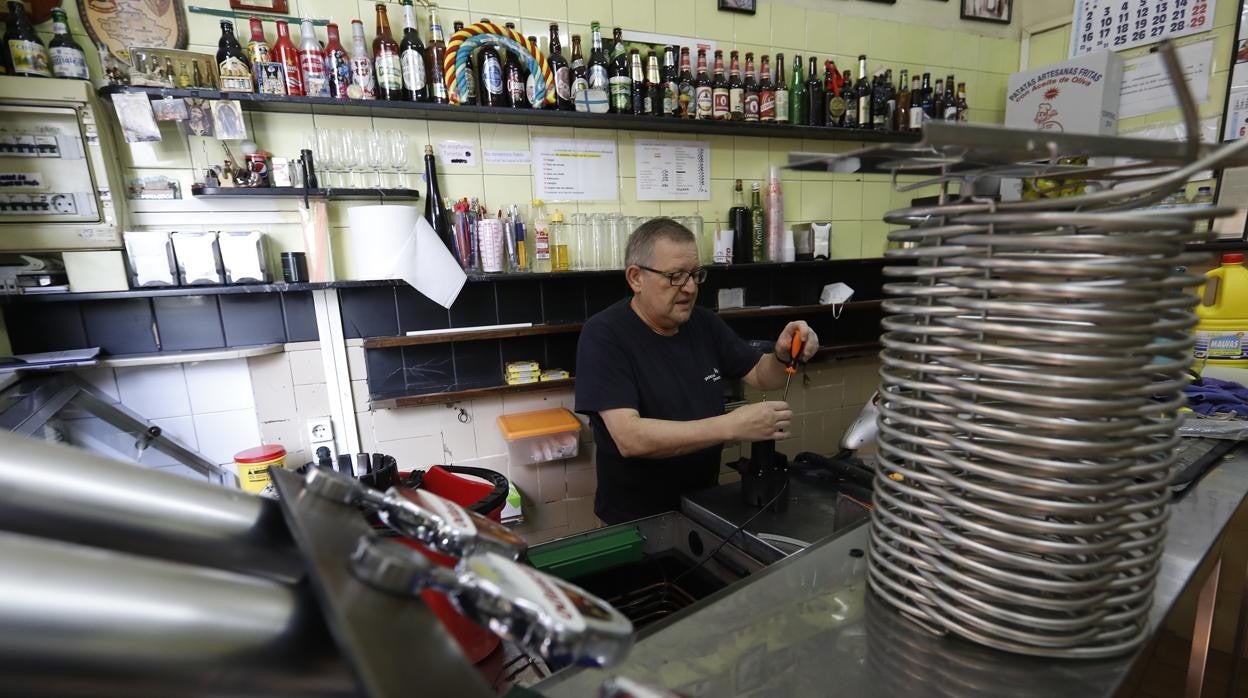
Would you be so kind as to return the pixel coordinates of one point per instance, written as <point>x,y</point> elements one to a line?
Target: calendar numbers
<point>1123,24</point>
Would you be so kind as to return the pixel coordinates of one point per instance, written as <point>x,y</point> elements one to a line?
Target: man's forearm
<point>663,438</point>
<point>767,374</point>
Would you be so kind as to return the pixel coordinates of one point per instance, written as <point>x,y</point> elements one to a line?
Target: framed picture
<point>746,6</point>
<point>278,6</point>
<point>999,11</point>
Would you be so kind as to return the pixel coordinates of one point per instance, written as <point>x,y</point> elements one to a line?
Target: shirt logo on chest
<point>713,376</point>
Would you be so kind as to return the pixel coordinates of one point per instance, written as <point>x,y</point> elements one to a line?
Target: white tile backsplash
<point>306,367</point>
<point>312,400</point>
<point>180,429</point>
<point>102,379</point>
<point>155,392</point>
<point>222,434</point>
<point>219,386</point>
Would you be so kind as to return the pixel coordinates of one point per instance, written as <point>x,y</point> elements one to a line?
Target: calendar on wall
<point>1123,24</point>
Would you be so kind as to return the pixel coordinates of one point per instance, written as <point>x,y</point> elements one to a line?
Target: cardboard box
<point>1077,96</point>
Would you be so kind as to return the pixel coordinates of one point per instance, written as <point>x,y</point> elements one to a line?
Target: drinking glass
<point>396,155</point>
<point>585,254</point>
<point>375,153</point>
<point>326,150</point>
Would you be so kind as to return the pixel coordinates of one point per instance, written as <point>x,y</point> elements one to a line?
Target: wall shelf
<point>163,292</point>
<point>300,192</point>
<point>782,310</point>
<point>530,117</point>
<point>460,394</point>
<point>469,335</point>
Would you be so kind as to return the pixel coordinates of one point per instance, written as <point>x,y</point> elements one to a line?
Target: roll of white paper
<point>396,242</point>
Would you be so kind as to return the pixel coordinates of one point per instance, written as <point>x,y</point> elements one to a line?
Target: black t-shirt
<point>622,363</point>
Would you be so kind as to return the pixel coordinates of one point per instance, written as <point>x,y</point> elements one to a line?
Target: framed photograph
<point>278,6</point>
<point>227,120</point>
<point>745,6</point>
<point>999,11</point>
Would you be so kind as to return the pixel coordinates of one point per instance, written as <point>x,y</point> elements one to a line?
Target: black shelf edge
<point>1218,246</point>
<point>165,291</point>
<point>300,192</point>
<point>456,394</point>
<point>528,117</point>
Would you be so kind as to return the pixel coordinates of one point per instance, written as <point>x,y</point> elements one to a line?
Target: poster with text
<point>575,169</point>
<point>1121,24</point>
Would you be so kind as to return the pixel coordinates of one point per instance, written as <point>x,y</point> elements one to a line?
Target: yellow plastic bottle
<point>1223,315</point>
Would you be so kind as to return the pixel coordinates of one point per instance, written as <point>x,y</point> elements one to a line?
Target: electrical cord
<point>732,535</point>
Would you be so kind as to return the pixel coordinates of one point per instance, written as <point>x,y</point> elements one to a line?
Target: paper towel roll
<point>396,242</point>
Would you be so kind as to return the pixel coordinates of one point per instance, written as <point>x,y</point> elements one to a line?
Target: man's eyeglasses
<point>678,278</point>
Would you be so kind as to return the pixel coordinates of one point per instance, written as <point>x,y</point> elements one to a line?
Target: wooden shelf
<point>530,117</point>
<point>469,335</point>
<point>300,192</point>
<point>782,310</point>
<point>459,395</point>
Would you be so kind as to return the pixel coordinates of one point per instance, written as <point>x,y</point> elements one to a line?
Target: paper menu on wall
<point>1118,25</point>
<point>673,170</point>
<point>1146,85</point>
<point>574,169</point>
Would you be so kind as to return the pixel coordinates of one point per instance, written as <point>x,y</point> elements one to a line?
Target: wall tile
<point>503,190</point>
<point>360,395</point>
<point>846,240</point>
<point>222,434</point>
<point>755,28</point>
<point>816,201</point>
<point>853,37</point>
<point>505,137</point>
<point>413,453</point>
<point>819,27</point>
<point>312,400</point>
<point>846,201</point>
<point>217,386</point>
<point>552,481</point>
<point>485,413</point>
<point>874,238</point>
<point>469,133</point>
<point>581,482</point>
<point>407,422</point>
<point>581,515</point>
<point>554,10</point>
<point>180,429</point>
<point>154,391</point>
<point>497,10</point>
<point>525,478</point>
<point>104,380</point>
<point>710,23</point>
<point>307,367</point>
<point>586,11</point>
<point>356,367</point>
<point>272,387</point>
<point>634,15</point>
<point>292,435</point>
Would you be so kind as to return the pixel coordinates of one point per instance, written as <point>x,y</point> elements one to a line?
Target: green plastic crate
<point>569,559</point>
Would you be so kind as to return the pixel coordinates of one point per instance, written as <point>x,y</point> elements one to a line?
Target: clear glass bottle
<point>541,238</point>
<point>559,256</point>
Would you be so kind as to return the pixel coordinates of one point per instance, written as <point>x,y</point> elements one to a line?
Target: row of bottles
<point>758,233</point>
<point>24,54</point>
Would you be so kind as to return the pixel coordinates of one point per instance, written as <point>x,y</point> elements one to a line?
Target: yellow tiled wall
<point>914,34</point>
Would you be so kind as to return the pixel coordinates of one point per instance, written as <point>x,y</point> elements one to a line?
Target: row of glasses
<point>598,241</point>
<point>362,159</point>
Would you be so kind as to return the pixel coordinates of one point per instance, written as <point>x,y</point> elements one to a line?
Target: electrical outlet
<point>320,429</point>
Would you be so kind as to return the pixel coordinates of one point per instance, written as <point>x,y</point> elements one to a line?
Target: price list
<point>1123,24</point>
<point>673,170</point>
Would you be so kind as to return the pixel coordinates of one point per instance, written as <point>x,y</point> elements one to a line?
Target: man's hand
<point>784,345</point>
<point>761,421</point>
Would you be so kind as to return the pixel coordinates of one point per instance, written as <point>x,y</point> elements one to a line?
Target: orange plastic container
<point>540,436</point>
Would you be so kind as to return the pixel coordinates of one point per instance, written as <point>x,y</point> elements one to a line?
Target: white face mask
<point>835,294</point>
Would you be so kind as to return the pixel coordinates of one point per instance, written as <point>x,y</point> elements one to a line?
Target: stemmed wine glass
<point>396,156</point>
<point>326,149</point>
<point>375,152</point>
<point>350,155</point>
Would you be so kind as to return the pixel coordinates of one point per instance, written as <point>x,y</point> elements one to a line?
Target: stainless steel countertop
<point>806,626</point>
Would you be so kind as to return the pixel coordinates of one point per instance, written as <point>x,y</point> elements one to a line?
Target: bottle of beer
<point>312,62</point>
<point>782,92</point>
<point>751,89</point>
<point>638,104</point>
<point>619,75</point>
<point>363,86</point>
<point>901,111</point>
<point>671,82</point>
<point>472,94</point>
<point>816,107</point>
<point>513,76</point>
<point>835,104</point>
<point>599,72</point>
<point>688,108</point>
<point>580,76</point>
<point>184,73</point>
<point>68,59</point>
<point>797,95</point>
<point>938,101</point>
<point>862,90</point>
<point>491,85</point>
<point>879,103</point>
<point>337,63</point>
<point>231,61</point>
<point>719,90</point>
<point>703,94</point>
<point>914,121</point>
<point>961,105</point>
<point>386,59</point>
<point>736,89</point>
<point>24,52</point>
<point>653,105</point>
<point>951,101</point>
<point>435,52</point>
<point>530,84</point>
<point>559,66</point>
<point>412,58</point>
<point>766,93</point>
<point>257,48</point>
<point>927,103</point>
<point>849,94</point>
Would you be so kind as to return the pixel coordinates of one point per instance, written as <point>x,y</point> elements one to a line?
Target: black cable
<point>730,536</point>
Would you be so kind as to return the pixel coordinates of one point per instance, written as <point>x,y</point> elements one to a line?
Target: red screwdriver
<point>791,368</point>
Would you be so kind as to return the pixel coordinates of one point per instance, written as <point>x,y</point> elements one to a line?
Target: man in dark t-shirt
<point>648,372</point>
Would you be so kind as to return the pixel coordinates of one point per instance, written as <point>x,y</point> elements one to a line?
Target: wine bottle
<point>68,59</point>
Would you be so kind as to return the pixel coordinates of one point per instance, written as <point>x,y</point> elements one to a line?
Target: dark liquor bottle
<point>736,89</point>
<point>849,95</point>
<point>938,100</point>
<point>890,101</point>
<point>742,227</point>
<point>435,206</point>
<point>68,59</point>
<point>563,75</point>
<point>879,103</point>
<point>620,80</point>
<point>653,105</point>
<point>863,91</point>
<point>638,104</point>
<point>491,88</point>
<point>513,77</point>
<point>703,94</point>
<point>412,58</point>
<point>719,90</point>
<point>232,63</point>
<point>766,93</point>
<point>758,227</point>
<point>386,59</point>
<point>835,102</point>
<point>471,84</point>
<point>337,63</point>
<point>901,110</point>
<point>797,95</point>
<point>914,121</point>
<point>816,109</point>
<point>961,105</point>
<point>782,92</point>
<point>24,52</point>
<point>580,76</point>
<point>671,81</point>
<point>751,89</point>
<point>950,112</point>
<point>530,86</point>
<point>435,52</point>
<point>688,108</point>
<point>599,72</point>
<point>927,102</point>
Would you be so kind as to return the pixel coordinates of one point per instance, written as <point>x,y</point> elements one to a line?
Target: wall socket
<point>320,433</point>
